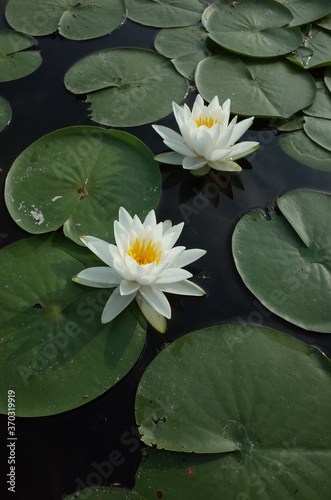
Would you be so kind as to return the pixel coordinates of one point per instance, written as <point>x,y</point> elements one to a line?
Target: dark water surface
<point>58,454</point>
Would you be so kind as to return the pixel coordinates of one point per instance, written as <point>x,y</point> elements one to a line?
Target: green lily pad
<point>290,124</point>
<point>325,22</point>
<point>104,493</point>
<point>5,113</point>
<point>126,87</point>
<point>318,42</point>
<point>319,131</point>
<point>274,88</point>
<point>165,14</point>
<point>306,11</point>
<point>300,147</point>
<point>15,64</point>
<point>252,27</point>
<point>238,388</point>
<point>81,20</point>
<point>186,47</point>
<point>55,353</point>
<point>321,106</point>
<point>79,176</point>
<point>286,260</point>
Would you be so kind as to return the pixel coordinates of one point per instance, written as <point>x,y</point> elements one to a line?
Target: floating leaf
<point>286,260</point>
<point>74,20</point>
<point>55,352</point>
<point>15,64</point>
<point>318,42</point>
<point>5,113</point>
<point>325,22</point>
<point>304,150</point>
<point>254,28</point>
<point>319,131</point>
<point>165,14</point>
<point>256,88</point>
<point>289,125</point>
<point>126,87</point>
<point>327,78</point>
<point>241,390</point>
<point>321,106</point>
<point>185,46</point>
<point>79,176</point>
<point>305,11</point>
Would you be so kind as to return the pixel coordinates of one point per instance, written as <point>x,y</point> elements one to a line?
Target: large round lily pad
<point>300,147</point>
<point>126,87</point>
<point>74,20</point>
<point>165,14</point>
<point>306,11</point>
<point>5,113</point>
<point>237,395</point>
<point>14,63</point>
<point>275,88</point>
<point>79,176</point>
<point>252,27</point>
<point>55,353</point>
<point>104,493</point>
<point>321,106</point>
<point>185,46</point>
<point>285,260</point>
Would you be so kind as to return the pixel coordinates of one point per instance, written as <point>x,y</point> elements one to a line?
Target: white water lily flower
<point>143,264</point>
<point>207,139</point>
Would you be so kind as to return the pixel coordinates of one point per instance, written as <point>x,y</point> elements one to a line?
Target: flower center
<point>209,121</point>
<point>143,254</point>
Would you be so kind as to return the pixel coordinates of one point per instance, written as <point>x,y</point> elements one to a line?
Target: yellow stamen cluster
<point>209,121</point>
<point>143,254</point>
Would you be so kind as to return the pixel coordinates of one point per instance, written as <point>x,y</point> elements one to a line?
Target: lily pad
<point>285,260</point>
<point>300,147</point>
<point>55,353</point>
<point>186,47</point>
<point>321,106</point>
<point>5,113</point>
<point>15,64</point>
<point>252,27</point>
<point>306,11</point>
<point>319,131</point>
<point>79,176</point>
<point>318,42</point>
<point>327,78</point>
<point>126,87</point>
<point>274,88</point>
<point>239,389</point>
<point>325,22</point>
<point>74,20</point>
<point>290,124</point>
<point>165,14</point>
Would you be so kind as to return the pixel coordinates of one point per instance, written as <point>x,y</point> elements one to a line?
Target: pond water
<point>58,454</point>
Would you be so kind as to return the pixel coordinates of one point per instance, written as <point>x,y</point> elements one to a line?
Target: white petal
<point>189,256</point>
<point>218,154</point>
<point>179,147</point>
<point>128,287</point>
<point>150,219</point>
<point>167,133</point>
<point>115,305</point>
<point>173,255</point>
<point>155,319</point>
<point>225,166</point>
<point>170,157</point>
<point>124,218</point>
<point>178,112</point>
<point>99,248</point>
<point>122,241</point>
<point>193,163</point>
<point>183,288</point>
<point>98,277</point>
<point>243,149</point>
<point>171,236</point>
<point>240,129</point>
<point>156,299</point>
<point>173,275</point>
<point>213,105</point>
<point>197,107</point>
